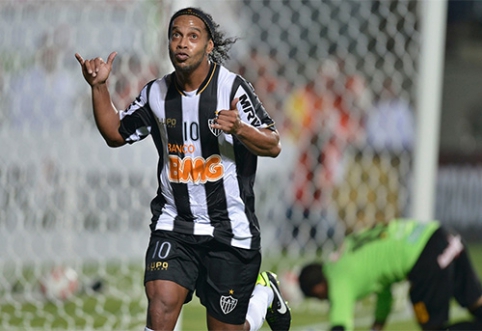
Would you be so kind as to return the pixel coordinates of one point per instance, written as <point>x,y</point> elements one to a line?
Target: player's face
<point>189,44</point>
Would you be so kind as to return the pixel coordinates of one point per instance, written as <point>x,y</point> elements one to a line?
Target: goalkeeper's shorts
<point>442,272</point>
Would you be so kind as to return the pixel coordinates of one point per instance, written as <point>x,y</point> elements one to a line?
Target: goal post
<point>429,108</point>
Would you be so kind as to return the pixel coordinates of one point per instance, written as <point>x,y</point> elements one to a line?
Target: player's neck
<point>191,81</point>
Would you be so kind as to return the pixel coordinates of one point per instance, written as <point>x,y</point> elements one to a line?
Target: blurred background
<point>340,78</point>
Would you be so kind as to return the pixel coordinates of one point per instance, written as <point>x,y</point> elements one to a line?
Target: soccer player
<point>208,126</point>
<point>432,259</point>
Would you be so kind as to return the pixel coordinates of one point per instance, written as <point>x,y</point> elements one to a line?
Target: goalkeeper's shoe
<point>278,315</point>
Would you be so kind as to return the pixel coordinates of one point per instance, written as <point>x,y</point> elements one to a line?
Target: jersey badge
<point>227,303</point>
<point>215,132</point>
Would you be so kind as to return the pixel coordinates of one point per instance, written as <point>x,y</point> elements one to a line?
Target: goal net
<point>337,77</point>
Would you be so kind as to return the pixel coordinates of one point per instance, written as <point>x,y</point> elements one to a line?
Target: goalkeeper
<point>433,260</point>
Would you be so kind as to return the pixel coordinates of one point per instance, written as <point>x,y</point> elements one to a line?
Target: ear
<point>210,47</point>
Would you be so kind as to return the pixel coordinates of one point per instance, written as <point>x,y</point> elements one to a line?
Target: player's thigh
<point>432,284</point>
<point>468,288</point>
<point>166,295</point>
<point>228,282</point>
<point>214,324</point>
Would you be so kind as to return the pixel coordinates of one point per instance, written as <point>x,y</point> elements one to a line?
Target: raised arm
<point>96,72</point>
<point>262,142</point>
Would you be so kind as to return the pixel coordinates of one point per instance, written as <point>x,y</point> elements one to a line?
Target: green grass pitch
<point>109,312</point>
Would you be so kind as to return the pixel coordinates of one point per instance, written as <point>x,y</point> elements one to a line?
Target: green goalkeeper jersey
<point>370,262</point>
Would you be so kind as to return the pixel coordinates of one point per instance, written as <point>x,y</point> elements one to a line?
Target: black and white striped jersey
<point>205,176</point>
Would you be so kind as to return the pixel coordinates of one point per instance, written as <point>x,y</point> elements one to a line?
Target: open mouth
<point>182,56</point>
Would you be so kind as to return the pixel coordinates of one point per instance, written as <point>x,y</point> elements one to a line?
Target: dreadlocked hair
<point>222,45</point>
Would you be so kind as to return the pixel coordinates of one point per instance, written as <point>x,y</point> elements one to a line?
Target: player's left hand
<point>228,120</point>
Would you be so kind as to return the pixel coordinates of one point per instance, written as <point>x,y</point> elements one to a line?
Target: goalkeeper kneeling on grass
<point>431,258</point>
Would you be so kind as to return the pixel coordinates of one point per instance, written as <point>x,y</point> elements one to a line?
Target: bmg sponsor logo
<point>195,170</point>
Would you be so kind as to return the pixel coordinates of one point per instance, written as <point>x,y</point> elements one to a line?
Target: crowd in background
<point>340,126</point>
<point>331,116</point>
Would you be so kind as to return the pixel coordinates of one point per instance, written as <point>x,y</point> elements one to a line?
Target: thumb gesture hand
<point>96,71</point>
<point>229,120</point>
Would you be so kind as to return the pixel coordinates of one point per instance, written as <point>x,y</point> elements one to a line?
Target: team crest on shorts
<point>214,131</point>
<point>227,303</point>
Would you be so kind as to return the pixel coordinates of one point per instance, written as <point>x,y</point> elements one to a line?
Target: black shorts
<point>443,271</point>
<point>222,276</point>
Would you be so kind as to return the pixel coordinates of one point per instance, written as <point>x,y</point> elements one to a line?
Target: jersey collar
<point>203,85</point>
